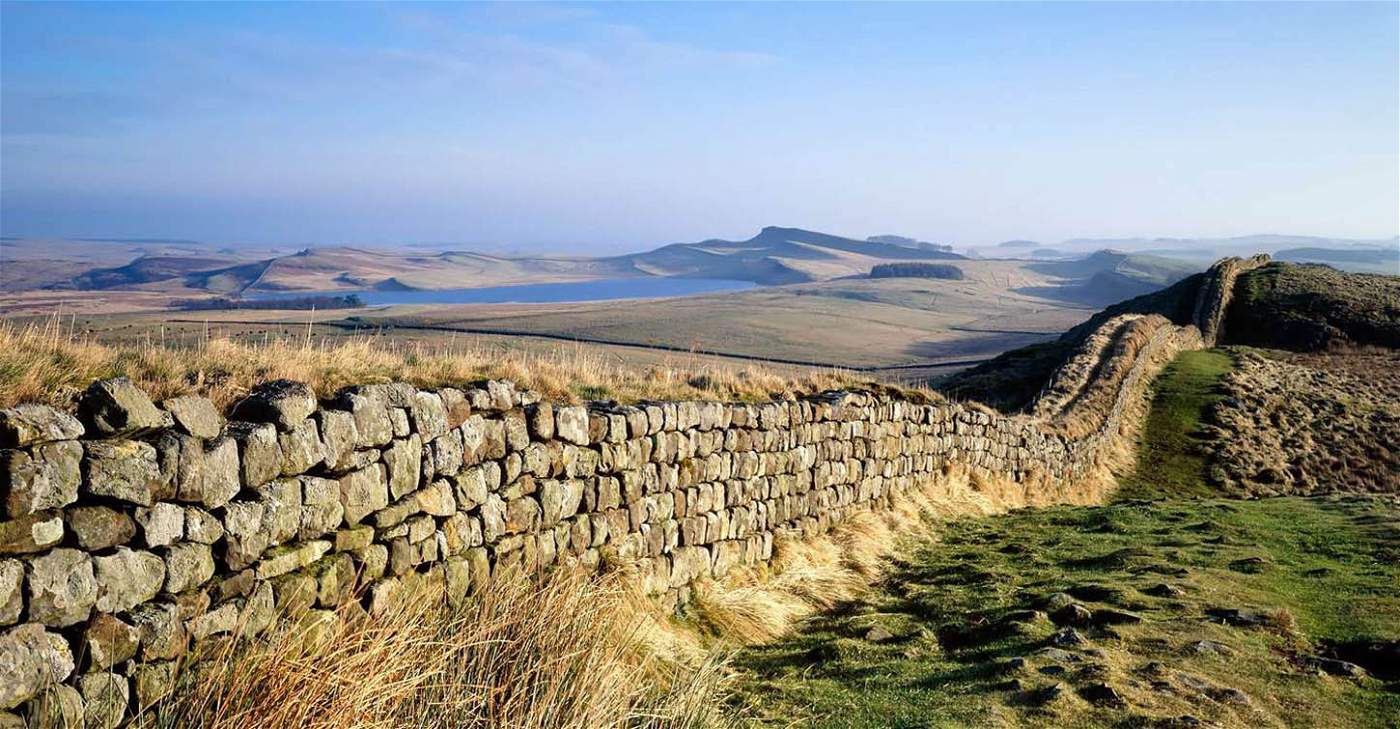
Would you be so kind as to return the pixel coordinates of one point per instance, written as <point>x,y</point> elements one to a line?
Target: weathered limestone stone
<point>187,565</point>
<point>321,510</point>
<point>11,591</point>
<point>161,524</point>
<point>301,448</point>
<point>238,584</point>
<point>540,418</point>
<point>373,428</point>
<point>221,474</point>
<point>295,592</point>
<point>223,619</point>
<point>116,408</point>
<point>517,433</point>
<point>195,415</point>
<point>363,492</point>
<point>121,469</point>
<point>259,611</point>
<point>458,577</point>
<point>162,632</point>
<point>335,576</point>
<point>28,424</point>
<point>127,578</point>
<point>244,536</point>
<point>281,560</point>
<point>283,403</point>
<point>559,500</point>
<point>374,560</point>
<point>437,499</point>
<point>62,588</point>
<point>447,454</point>
<point>201,526</point>
<point>105,697</point>
<point>152,682</point>
<point>44,477</point>
<point>56,706</point>
<point>100,527</point>
<point>470,487</point>
<point>281,502</point>
<point>31,658</point>
<point>429,415</point>
<point>31,533</point>
<point>259,457</point>
<point>571,424</point>
<point>338,438</point>
<point>353,538</point>
<point>403,462</point>
<point>108,641</point>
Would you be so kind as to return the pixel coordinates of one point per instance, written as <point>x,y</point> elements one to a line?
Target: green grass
<point>1328,570</point>
<point>1170,461</point>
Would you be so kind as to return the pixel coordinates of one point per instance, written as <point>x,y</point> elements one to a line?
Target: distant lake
<point>545,293</point>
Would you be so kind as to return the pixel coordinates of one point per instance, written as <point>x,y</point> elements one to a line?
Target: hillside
<point>780,256</point>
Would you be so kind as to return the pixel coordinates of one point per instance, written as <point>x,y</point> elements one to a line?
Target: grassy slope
<point>1323,578</point>
<point>1324,571</point>
<point>1169,459</point>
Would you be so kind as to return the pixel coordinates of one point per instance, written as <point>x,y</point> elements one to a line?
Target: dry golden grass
<point>568,650</point>
<point>47,363</point>
<point>758,603</point>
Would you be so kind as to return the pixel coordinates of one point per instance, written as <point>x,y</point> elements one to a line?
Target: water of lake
<point>545,293</point>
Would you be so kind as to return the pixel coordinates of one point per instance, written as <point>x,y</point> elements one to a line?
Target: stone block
<point>363,492</point>
<point>99,527</point>
<point>201,526</point>
<point>403,464</point>
<point>300,448</point>
<point>163,635</point>
<point>127,578</point>
<point>61,587</point>
<point>187,566</point>
<point>107,641</point>
<point>195,415</point>
<point>44,477</point>
<point>429,415</point>
<point>33,658</point>
<point>260,459</point>
<point>118,408</point>
<point>125,470</point>
<point>30,423</point>
<point>161,524</point>
<point>31,533</point>
<point>283,403</point>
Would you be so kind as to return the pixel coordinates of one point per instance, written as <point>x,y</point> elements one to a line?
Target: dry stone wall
<point>133,529</point>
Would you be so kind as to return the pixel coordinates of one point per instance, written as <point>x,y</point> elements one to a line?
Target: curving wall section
<point>133,529</point>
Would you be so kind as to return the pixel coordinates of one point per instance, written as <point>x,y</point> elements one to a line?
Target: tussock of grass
<point>47,363</point>
<point>566,651</point>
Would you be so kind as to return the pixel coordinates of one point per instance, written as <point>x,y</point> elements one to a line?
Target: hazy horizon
<point>604,128</point>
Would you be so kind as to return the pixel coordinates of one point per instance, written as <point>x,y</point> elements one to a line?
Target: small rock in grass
<point>1102,693</point>
<point>1072,614</point>
<point>1068,636</point>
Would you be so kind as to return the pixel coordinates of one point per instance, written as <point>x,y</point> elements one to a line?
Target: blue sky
<point>608,127</point>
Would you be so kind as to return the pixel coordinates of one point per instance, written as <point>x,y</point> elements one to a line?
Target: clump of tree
<point>349,301</point>
<point>917,270</point>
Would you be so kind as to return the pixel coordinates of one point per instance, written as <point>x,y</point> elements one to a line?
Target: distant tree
<point>917,270</point>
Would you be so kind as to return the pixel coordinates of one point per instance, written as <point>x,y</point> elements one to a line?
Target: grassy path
<point>1169,458</point>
